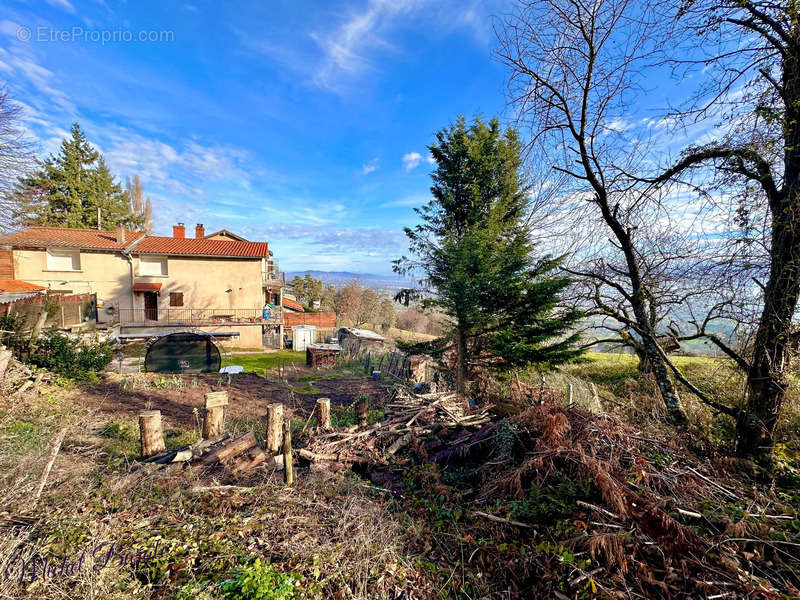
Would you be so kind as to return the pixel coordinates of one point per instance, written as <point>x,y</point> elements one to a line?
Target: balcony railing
<point>273,277</point>
<point>152,317</point>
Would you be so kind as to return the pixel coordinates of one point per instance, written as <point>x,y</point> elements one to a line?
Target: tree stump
<point>214,415</point>
<point>361,411</point>
<point>288,472</point>
<point>274,435</point>
<point>323,413</point>
<point>152,438</point>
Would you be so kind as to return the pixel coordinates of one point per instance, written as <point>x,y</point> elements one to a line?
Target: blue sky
<point>301,123</point>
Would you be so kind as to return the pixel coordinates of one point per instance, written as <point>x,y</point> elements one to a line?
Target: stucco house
<point>154,284</point>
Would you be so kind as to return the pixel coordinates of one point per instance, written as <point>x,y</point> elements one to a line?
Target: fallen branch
<point>596,508</point>
<point>502,520</point>
<point>202,489</point>
<point>54,449</point>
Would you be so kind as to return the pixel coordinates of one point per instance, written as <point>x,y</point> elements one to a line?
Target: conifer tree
<point>477,263</point>
<point>68,189</point>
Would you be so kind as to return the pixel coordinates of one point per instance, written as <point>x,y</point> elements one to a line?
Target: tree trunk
<point>37,328</point>
<point>775,339</point>
<point>655,361</point>
<point>644,366</point>
<point>661,374</point>
<point>461,363</point>
<point>773,347</point>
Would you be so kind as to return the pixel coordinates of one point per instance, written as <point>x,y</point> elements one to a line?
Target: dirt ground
<point>250,394</point>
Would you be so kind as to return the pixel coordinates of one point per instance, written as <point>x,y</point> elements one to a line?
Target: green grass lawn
<point>257,363</point>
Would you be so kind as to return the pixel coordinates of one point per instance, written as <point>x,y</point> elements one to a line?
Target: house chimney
<point>179,231</point>
<point>120,234</point>
<point>199,231</point>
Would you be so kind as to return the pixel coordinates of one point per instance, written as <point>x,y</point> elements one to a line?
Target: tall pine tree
<point>477,262</point>
<point>68,189</point>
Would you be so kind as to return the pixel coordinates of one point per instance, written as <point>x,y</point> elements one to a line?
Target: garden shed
<point>302,336</point>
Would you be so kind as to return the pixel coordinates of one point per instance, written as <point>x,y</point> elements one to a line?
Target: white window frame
<point>151,261</point>
<point>73,254</point>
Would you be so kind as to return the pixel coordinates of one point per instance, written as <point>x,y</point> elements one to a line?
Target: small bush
<point>56,352</point>
<point>261,582</point>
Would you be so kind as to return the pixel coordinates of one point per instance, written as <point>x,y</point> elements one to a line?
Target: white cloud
<point>9,27</point>
<point>411,160</point>
<point>65,4</point>
<point>347,50</point>
<point>407,202</point>
<point>370,166</point>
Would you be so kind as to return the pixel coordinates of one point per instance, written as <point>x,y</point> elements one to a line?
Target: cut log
<point>213,420</point>
<point>216,399</point>
<point>234,448</point>
<point>248,460</point>
<point>199,447</point>
<point>399,443</point>
<point>151,436</point>
<point>312,456</point>
<point>362,409</point>
<point>274,437</point>
<point>174,456</point>
<point>323,414</point>
<point>288,471</point>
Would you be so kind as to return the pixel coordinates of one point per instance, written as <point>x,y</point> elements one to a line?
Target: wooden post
<point>288,472</point>
<point>361,411</point>
<point>274,427</point>
<point>152,439</point>
<point>570,402</point>
<point>214,415</point>
<point>323,413</point>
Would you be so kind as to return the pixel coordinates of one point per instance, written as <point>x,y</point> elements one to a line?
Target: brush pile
<point>407,418</point>
<point>609,512</point>
<point>16,377</point>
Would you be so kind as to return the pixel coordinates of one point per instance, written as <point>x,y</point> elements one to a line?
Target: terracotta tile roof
<point>46,237</point>
<point>202,247</point>
<point>136,242</point>
<point>292,304</point>
<point>17,286</point>
<point>142,286</point>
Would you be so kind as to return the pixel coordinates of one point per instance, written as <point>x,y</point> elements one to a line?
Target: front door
<point>151,306</point>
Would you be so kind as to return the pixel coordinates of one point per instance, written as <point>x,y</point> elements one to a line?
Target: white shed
<point>302,336</point>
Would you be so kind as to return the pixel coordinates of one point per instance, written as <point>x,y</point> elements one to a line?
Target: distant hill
<point>341,278</point>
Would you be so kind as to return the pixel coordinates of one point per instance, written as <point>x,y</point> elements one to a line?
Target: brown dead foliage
<point>643,528</point>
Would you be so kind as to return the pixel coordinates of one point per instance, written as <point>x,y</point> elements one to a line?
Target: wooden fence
<point>68,310</point>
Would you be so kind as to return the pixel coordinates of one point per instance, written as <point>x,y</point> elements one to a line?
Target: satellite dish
<point>183,353</point>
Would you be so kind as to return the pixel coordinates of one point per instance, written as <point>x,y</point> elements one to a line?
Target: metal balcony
<point>195,317</point>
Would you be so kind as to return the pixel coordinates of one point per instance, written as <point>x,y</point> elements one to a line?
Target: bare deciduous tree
<point>749,54</point>
<point>16,157</point>
<point>573,65</point>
